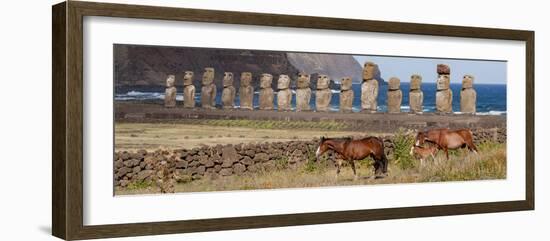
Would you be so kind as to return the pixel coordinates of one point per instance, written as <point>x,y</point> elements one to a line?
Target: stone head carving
<point>416,81</point>
<point>443,82</point>
<point>246,79</point>
<point>394,83</point>
<point>468,81</point>
<point>188,78</point>
<point>266,80</point>
<point>208,76</point>
<point>443,69</point>
<point>323,82</point>
<point>170,81</point>
<point>346,83</point>
<point>227,79</point>
<point>370,70</point>
<point>283,82</point>
<point>303,80</point>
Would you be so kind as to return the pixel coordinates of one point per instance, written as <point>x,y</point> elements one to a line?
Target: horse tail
<point>384,158</point>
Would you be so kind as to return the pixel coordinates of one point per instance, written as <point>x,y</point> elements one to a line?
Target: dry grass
<point>490,163</point>
<point>152,136</point>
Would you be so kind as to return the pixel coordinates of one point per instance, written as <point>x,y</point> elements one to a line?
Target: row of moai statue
<point>323,94</point>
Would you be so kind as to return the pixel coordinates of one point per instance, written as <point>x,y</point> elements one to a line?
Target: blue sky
<point>484,71</point>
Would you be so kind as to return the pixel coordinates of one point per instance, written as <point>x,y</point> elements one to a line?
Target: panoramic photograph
<point>191,119</point>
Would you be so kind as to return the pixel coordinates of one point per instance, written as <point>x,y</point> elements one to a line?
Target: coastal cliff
<point>148,66</point>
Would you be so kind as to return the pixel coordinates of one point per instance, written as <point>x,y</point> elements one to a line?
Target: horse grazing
<point>446,139</point>
<point>423,152</point>
<point>351,150</point>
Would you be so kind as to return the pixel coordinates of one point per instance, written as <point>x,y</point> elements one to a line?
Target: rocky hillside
<point>147,66</point>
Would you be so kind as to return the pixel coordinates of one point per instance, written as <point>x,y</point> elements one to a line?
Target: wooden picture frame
<point>67,124</point>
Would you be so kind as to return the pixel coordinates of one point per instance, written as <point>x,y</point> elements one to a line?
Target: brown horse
<point>351,150</point>
<point>446,139</point>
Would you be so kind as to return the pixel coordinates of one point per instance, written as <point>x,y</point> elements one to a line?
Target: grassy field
<point>490,163</point>
<point>151,136</point>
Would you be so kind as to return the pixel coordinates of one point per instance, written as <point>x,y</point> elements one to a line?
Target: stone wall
<point>186,165</point>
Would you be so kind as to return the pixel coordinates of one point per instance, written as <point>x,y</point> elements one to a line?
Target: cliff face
<point>335,66</point>
<point>148,66</point>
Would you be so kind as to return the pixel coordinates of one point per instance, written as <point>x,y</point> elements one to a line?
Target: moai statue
<point>170,93</point>
<point>266,92</point>
<point>188,90</point>
<point>468,95</point>
<point>369,88</point>
<point>228,93</point>
<point>346,95</point>
<point>246,91</point>
<point>395,96</point>
<point>323,95</point>
<point>208,90</point>
<point>303,92</point>
<point>416,96</point>
<point>284,94</point>
<point>444,95</point>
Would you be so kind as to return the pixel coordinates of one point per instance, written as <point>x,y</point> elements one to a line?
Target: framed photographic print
<point>213,120</point>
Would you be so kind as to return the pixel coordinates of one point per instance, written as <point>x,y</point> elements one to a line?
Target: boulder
<point>261,157</point>
<point>239,168</point>
<point>145,175</point>
<point>229,156</point>
<point>226,171</point>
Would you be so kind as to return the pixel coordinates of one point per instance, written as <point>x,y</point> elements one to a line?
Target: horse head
<point>420,138</point>
<point>323,147</point>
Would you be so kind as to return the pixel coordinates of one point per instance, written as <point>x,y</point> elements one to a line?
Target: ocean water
<point>491,98</point>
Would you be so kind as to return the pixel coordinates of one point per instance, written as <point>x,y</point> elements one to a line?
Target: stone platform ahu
<point>369,88</point>
<point>170,92</point>
<point>416,96</point>
<point>208,90</point>
<point>229,91</point>
<point>444,94</point>
<point>323,95</point>
<point>468,95</point>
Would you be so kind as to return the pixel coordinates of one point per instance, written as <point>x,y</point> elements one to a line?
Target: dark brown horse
<point>351,150</point>
<point>446,139</point>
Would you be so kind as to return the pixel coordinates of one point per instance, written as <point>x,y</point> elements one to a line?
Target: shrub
<point>402,143</point>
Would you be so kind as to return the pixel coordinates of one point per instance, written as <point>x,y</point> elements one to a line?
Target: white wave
<point>492,112</point>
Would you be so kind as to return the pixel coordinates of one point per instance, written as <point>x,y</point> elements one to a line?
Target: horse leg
<point>338,165</point>
<point>471,146</point>
<point>446,152</point>
<point>352,163</point>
